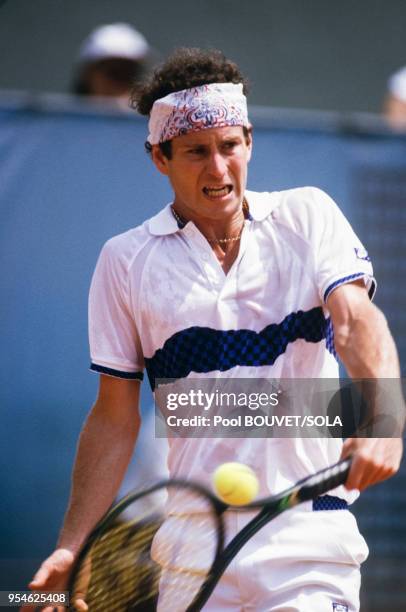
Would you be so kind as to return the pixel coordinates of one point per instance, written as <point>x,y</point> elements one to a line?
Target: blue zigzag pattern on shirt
<point>330,337</point>
<point>202,349</point>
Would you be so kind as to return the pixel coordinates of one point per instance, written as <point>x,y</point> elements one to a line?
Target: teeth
<point>216,192</point>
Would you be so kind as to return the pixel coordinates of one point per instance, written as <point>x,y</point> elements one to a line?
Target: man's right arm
<point>105,448</point>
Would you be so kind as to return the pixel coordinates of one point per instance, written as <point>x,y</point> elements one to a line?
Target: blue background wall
<point>296,53</point>
<point>69,179</point>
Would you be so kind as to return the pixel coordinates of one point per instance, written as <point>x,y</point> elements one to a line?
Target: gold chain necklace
<point>224,240</point>
<point>181,221</point>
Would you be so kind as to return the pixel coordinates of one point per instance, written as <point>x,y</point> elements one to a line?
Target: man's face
<point>207,171</point>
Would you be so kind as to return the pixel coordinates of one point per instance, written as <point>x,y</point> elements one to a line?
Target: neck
<point>221,232</point>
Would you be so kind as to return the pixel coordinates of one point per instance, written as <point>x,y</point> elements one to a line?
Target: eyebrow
<point>193,145</point>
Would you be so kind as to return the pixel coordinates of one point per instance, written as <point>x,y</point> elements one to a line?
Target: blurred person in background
<point>111,59</point>
<point>395,101</point>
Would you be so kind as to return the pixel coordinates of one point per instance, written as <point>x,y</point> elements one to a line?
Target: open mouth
<point>217,192</point>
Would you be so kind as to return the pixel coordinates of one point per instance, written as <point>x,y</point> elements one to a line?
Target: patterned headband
<point>199,108</point>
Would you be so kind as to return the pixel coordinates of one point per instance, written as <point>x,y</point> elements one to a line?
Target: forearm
<point>365,346</point>
<point>366,354</point>
<point>371,360</point>
<point>105,448</point>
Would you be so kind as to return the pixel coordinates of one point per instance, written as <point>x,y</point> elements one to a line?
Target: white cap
<point>397,84</point>
<point>113,40</point>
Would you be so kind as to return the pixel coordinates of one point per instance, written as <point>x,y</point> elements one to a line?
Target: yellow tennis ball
<point>235,483</point>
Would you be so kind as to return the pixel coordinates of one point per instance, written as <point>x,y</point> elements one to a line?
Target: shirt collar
<point>163,223</point>
<point>260,206</point>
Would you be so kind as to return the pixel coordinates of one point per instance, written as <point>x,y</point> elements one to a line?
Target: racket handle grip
<point>327,479</point>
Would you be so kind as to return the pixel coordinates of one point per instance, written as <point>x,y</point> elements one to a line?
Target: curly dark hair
<point>185,68</point>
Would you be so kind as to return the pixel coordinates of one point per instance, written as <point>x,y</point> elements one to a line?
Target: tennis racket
<point>170,554</point>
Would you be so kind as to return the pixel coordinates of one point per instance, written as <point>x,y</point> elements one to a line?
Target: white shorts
<point>302,561</point>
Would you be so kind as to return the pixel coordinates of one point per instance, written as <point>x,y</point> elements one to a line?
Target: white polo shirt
<point>160,300</point>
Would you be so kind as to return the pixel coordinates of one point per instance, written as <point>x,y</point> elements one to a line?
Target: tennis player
<point>232,283</point>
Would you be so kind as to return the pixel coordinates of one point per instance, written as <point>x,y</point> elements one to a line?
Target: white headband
<point>199,108</point>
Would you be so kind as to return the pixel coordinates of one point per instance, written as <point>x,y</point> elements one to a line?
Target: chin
<point>230,202</point>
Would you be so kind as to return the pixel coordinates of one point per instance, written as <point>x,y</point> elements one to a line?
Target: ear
<point>249,144</point>
<point>159,159</point>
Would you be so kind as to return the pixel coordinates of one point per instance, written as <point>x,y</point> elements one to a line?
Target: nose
<point>217,165</point>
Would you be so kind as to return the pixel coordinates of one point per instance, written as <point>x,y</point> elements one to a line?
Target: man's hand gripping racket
<point>170,554</point>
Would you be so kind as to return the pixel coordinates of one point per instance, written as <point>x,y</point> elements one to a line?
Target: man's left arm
<point>365,346</point>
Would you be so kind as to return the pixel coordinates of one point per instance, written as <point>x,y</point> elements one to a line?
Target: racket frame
<point>269,508</point>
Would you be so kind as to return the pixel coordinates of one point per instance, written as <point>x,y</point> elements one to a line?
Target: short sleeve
<point>115,347</point>
<point>340,257</point>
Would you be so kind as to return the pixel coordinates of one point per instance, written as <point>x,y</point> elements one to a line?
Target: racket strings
<point>119,573</point>
<point>163,551</point>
